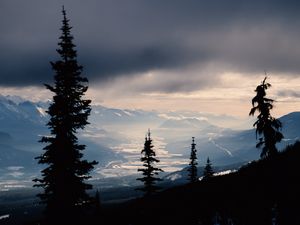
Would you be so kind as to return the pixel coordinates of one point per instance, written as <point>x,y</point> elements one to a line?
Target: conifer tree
<point>98,201</point>
<point>208,170</point>
<point>193,163</point>
<point>149,171</point>
<point>63,180</point>
<point>266,126</point>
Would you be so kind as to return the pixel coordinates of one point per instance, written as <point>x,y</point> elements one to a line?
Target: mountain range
<point>115,137</point>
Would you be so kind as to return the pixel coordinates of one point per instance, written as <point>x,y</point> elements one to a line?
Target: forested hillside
<point>257,193</point>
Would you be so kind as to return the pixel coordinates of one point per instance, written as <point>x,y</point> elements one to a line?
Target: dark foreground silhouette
<point>259,193</point>
<point>263,192</point>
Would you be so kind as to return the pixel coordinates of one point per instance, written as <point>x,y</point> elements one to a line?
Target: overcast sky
<point>203,55</point>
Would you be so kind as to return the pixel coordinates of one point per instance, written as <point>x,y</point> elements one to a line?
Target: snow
<point>127,113</point>
<point>6,216</point>
<point>8,185</point>
<point>224,172</point>
<point>41,111</point>
<point>221,147</point>
<point>174,177</point>
<point>118,114</point>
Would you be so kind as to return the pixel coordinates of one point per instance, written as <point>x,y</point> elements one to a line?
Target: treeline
<point>264,192</point>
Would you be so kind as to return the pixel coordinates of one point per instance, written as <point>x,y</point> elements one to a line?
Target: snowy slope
<point>117,135</point>
<point>22,125</point>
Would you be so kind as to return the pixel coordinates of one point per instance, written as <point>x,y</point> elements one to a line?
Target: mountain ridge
<point>107,132</point>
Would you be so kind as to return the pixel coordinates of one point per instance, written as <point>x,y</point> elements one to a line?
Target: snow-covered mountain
<point>108,116</point>
<point>22,123</point>
<point>226,146</point>
<point>115,137</point>
<point>185,123</point>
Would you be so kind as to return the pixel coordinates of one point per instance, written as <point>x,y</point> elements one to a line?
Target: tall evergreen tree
<point>149,170</point>
<point>63,180</point>
<point>208,170</point>
<point>193,162</point>
<point>266,125</point>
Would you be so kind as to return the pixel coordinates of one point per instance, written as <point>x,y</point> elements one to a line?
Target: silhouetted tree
<point>149,170</point>
<point>266,125</point>
<point>208,170</point>
<point>63,180</point>
<point>98,201</point>
<point>193,162</point>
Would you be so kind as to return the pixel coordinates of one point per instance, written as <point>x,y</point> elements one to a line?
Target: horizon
<point>230,121</point>
<point>206,63</point>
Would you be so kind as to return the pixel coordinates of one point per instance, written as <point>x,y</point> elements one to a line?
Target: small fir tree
<point>149,170</point>
<point>193,163</point>
<point>266,126</point>
<point>63,180</point>
<point>98,201</point>
<point>208,170</point>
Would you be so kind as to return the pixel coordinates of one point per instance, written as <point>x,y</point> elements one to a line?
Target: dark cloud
<point>289,93</point>
<point>111,64</point>
<point>127,37</point>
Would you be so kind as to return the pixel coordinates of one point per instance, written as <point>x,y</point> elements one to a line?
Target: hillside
<point>258,192</point>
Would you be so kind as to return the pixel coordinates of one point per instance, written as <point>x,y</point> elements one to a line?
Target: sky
<point>198,55</point>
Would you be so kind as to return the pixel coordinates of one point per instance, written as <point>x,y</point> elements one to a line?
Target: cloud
<point>109,65</point>
<point>128,39</point>
<point>289,93</point>
<point>163,81</point>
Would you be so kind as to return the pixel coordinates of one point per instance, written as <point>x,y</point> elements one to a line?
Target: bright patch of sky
<point>231,95</point>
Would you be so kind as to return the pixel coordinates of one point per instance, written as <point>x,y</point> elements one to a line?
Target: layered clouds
<point>170,49</point>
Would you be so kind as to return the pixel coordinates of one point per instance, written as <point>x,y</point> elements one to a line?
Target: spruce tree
<point>63,180</point>
<point>266,126</point>
<point>149,171</point>
<point>208,170</point>
<point>193,163</point>
<point>98,201</point>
